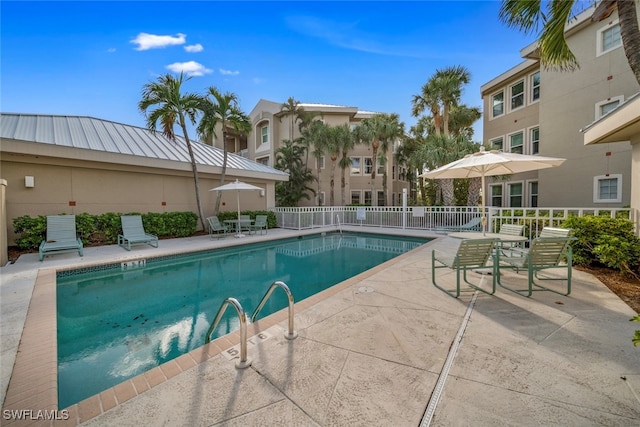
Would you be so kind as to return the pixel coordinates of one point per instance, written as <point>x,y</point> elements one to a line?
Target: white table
<point>238,223</point>
<point>480,235</point>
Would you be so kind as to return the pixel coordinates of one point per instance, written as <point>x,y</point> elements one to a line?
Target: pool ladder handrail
<point>291,333</point>
<point>339,225</point>
<point>243,362</point>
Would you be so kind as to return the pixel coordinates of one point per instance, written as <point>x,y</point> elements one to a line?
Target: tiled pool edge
<point>33,384</point>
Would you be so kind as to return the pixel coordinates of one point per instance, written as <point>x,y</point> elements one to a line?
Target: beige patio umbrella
<point>491,163</point>
<point>236,186</point>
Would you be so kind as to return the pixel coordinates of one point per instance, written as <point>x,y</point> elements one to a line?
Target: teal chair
<point>245,223</point>
<point>545,253</point>
<point>216,227</point>
<point>472,254</point>
<point>61,236</point>
<point>133,233</point>
<point>260,224</point>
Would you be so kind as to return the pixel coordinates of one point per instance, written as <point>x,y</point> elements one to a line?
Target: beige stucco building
<point>531,110</point>
<point>70,165</point>
<point>270,126</point>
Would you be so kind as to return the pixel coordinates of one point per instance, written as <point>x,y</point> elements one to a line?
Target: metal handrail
<point>243,362</point>
<point>291,334</point>
<point>339,226</point>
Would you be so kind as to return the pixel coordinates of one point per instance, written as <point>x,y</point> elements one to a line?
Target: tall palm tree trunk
<point>194,169</point>
<point>630,34</point>
<point>224,168</point>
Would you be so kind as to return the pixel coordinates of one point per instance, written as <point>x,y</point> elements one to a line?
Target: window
<point>320,162</point>
<point>516,143</point>
<point>263,160</point>
<point>535,86</point>
<point>496,195</point>
<point>321,198</point>
<point>498,104</point>
<point>608,105</point>
<point>607,189</point>
<point>380,170</point>
<point>393,172</point>
<point>535,140</point>
<point>381,201</point>
<point>533,194</point>
<point>515,195</point>
<point>368,165</point>
<point>264,131</point>
<point>496,144</point>
<point>356,166</point>
<point>609,38</point>
<point>367,198</point>
<point>355,197</point>
<point>517,95</point>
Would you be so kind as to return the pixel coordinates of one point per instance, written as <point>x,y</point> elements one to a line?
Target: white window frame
<point>600,39</point>
<point>531,140</point>
<point>596,188</point>
<point>359,193</point>
<point>259,160</point>
<point>321,199</point>
<point>600,104</point>
<point>522,195</point>
<point>320,162</point>
<point>491,143</point>
<point>490,198</point>
<point>532,87</point>
<point>260,143</point>
<point>360,166</point>
<point>380,195</point>
<point>511,135</point>
<point>522,95</point>
<point>493,115</point>
<point>530,193</point>
<point>370,198</point>
<point>367,165</point>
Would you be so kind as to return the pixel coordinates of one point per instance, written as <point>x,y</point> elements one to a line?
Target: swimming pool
<point>119,321</point>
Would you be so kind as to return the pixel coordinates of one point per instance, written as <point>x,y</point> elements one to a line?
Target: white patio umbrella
<point>236,186</point>
<point>491,163</point>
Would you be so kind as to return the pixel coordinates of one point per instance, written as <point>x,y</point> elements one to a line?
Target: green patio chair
<point>61,236</point>
<point>472,254</point>
<point>216,227</point>
<point>545,253</point>
<point>555,232</point>
<point>475,224</point>
<point>133,233</point>
<point>245,223</point>
<point>510,230</point>
<point>260,224</point>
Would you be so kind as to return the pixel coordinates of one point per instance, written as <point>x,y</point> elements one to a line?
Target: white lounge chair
<point>61,236</point>
<point>133,233</point>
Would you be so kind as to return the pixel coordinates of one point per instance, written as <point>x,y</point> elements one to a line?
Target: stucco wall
<point>98,188</point>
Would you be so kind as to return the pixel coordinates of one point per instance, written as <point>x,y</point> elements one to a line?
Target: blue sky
<point>93,58</point>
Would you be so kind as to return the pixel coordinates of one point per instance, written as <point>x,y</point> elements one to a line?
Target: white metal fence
<point>436,217</point>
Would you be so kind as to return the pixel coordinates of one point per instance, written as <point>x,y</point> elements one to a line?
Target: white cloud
<point>228,72</point>
<point>111,49</point>
<point>190,68</point>
<point>147,41</point>
<point>192,48</point>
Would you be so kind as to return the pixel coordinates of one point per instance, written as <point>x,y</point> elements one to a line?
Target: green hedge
<point>103,229</point>
<point>605,241</point>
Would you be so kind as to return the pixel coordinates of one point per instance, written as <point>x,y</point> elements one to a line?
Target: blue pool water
<point>115,324</point>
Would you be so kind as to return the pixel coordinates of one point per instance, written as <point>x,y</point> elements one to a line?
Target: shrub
<point>605,241</point>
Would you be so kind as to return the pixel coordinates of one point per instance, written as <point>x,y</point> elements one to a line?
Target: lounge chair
<point>61,236</point>
<point>475,224</point>
<point>471,254</point>
<point>260,224</point>
<point>510,230</point>
<point>545,253</point>
<point>555,232</point>
<point>216,227</point>
<point>133,233</point>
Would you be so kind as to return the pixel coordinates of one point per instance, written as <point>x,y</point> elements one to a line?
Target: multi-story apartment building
<point>270,126</point>
<point>529,109</point>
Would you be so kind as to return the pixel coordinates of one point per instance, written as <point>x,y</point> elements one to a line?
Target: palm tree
<point>222,109</point>
<point>172,108</point>
<point>292,109</point>
<point>345,141</point>
<point>448,82</point>
<point>529,15</point>
<point>391,130</point>
<point>289,158</point>
<point>429,98</point>
<point>331,146</point>
<point>314,140</point>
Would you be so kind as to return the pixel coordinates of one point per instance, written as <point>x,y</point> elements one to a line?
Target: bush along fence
<point>103,229</point>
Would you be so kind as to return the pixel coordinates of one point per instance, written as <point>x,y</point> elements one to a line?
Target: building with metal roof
<point>72,164</point>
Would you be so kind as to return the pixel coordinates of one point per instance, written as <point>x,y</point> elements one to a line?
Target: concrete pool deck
<point>383,348</point>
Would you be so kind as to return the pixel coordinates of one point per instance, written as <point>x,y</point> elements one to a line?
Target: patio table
<point>238,223</point>
<point>500,238</point>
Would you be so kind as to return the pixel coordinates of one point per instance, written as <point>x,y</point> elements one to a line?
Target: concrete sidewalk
<point>388,348</point>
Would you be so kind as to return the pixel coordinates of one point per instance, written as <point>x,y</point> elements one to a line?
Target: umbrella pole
<point>238,228</point>
<point>484,218</point>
